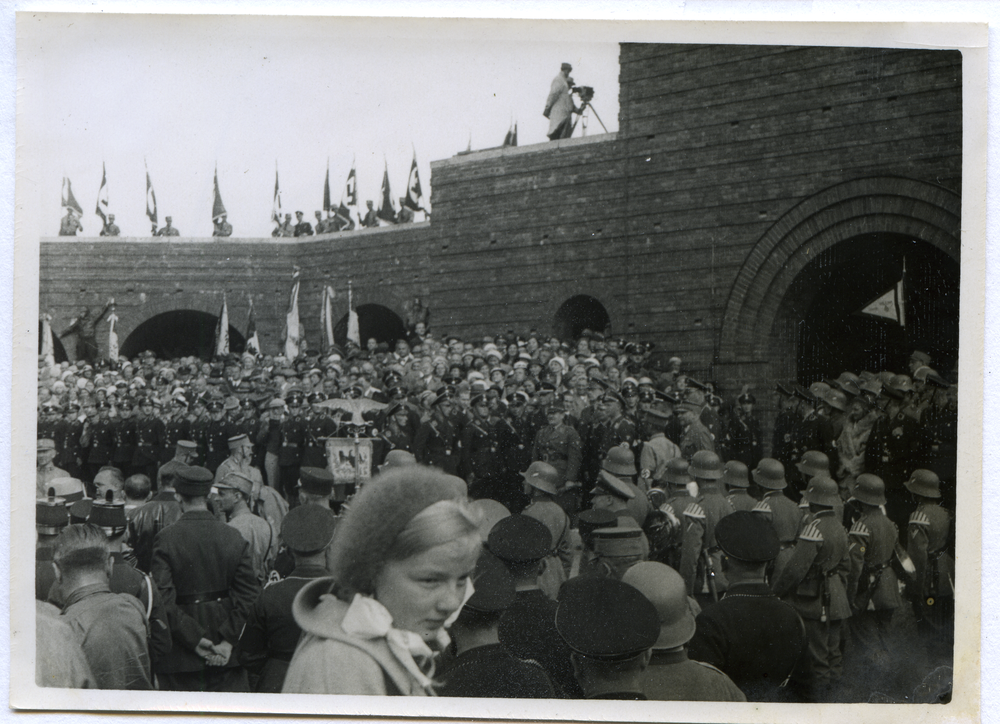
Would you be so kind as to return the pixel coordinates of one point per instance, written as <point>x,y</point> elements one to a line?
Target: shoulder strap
<point>811,533</point>
<point>694,511</point>
<point>859,529</point>
<point>919,517</point>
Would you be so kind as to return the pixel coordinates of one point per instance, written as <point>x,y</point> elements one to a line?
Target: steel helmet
<point>677,472</point>
<point>819,390</point>
<point>822,491</point>
<point>925,483</point>
<point>619,461</point>
<point>814,463</point>
<point>705,465</point>
<point>901,383</point>
<point>770,474</point>
<point>542,476</point>
<point>737,475</point>
<point>837,400</point>
<point>869,489</point>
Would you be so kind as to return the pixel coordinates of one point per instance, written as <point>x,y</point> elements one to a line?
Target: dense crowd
<point>627,533</point>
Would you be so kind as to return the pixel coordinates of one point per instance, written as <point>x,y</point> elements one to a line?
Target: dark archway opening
<point>180,333</point>
<point>58,351</point>
<point>826,298</point>
<point>579,313</point>
<point>376,321</point>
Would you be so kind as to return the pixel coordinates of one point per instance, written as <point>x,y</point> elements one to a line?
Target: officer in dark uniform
<point>437,443</point>
<point>527,629</point>
<point>204,571</point>
<point>175,427</point>
<point>293,435</point>
<point>783,438</point>
<point>69,454</point>
<point>610,627</point>
<point>559,445</point>
<point>198,420</point>
<point>318,426</point>
<point>150,436</point>
<point>98,439</point>
<point>481,666</point>
<point>617,430</point>
<point>814,581</point>
<point>744,440</point>
<point>480,453</point>
<point>271,634</point>
<point>124,430</point>
<point>397,432</point>
<point>751,635</point>
<point>217,433</point>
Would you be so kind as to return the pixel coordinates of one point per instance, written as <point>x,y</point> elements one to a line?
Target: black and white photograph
<point>484,361</point>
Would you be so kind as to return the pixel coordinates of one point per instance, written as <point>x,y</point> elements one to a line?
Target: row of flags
<point>293,333</point>
<point>347,210</point>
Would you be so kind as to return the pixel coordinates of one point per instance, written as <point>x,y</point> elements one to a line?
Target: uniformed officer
<point>696,436</point>
<point>750,634</point>
<point>617,430</point>
<point>292,431</point>
<point>527,629</point>
<point>701,566</point>
<point>480,451</point>
<point>221,227</point>
<point>872,589</point>
<point>784,515</point>
<point>814,581</point>
<point>559,445</point>
<point>150,436</point>
<point>743,438</point>
<point>481,666</point>
<point>540,484</point>
<point>783,440</point>
<point>69,455</point>
<point>124,435</point>
<point>204,571</point>
<point>110,228</point>
<point>437,443</point>
<point>610,627</point>
<point>932,590</point>
<point>175,427</point>
<point>271,634</point>
<point>318,427</point>
<point>217,433</point>
<point>46,471</point>
<point>98,439</point>
<point>657,448</point>
<point>736,479</point>
<point>169,229</point>
<point>615,550</point>
<point>69,224</point>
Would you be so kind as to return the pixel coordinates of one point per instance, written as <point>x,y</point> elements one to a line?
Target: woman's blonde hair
<point>442,522</point>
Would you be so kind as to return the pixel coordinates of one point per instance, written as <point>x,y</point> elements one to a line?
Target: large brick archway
<point>863,206</point>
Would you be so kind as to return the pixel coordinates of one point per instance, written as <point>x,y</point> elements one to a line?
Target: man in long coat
<point>559,108</point>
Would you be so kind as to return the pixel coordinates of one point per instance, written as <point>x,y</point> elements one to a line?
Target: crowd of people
<point>544,518</point>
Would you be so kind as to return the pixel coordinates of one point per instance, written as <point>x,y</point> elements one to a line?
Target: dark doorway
<point>827,296</point>
<point>180,333</point>
<point>579,313</point>
<point>376,321</point>
<point>58,351</point>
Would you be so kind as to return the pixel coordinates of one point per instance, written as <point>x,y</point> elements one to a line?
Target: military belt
<point>190,598</point>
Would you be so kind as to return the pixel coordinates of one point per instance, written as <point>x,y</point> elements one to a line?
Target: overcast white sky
<point>185,93</point>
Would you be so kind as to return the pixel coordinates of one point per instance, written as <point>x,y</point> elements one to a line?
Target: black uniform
<point>174,429</point>
<point>315,429</point>
<point>217,434</point>
<point>436,444</point>
<point>150,436</point>
<point>491,672</point>
<point>481,457</point>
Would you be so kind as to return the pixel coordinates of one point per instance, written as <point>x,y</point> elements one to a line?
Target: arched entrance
<point>579,313</point>
<point>179,333</point>
<point>376,321</point>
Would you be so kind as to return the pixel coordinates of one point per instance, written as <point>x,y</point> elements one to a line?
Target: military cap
<point>606,619</point>
<point>193,481</point>
<point>658,413</point>
<point>317,397</point>
<point>546,387</point>
<point>618,541</point>
<point>237,441</point>
<point>676,472</point>
<point>187,445</point>
<point>69,489</point>
<point>44,445</point>
<point>869,489</point>
<point>850,388</point>
<point>179,400</point>
<point>813,463</point>
<point>295,397</point>
<point>51,514</point>
<point>519,539</point>
<point>608,484</point>
<point>307,529</point>
<point>215,405</point>
<point>591,520</point>
<point>276,404</point>
<point>924,483</point>
<point>747,398</point>
<point>479,400</point>
<point>706,465</point>
<point>619,461</point>
<point>556,406</point>
<point>108,515</point>
<point>691,381</point>
<point>236,481</point>
<point>748,537</point>
<point>103,405</point>
<point>803,394</point>
<point>822,491</point>
<point>542,476</point>
<point>901,383</point>
<point>770,474</point>
<point>519,397</point>
<point>316,481</point>
<point>80,511</point>
<point>665,589</point>
<point>612,396</point>
<point>689,407</point>
<point>782,390</point>
<point>736,475</point>
<point>493,585</point>
<point>819,390</point>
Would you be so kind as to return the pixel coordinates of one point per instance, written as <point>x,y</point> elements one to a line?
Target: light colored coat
<point>559,105</point>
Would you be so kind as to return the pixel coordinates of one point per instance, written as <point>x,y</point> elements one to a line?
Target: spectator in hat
<point>404,554</point>
<point>481,666</point>
<point>750,635</point>
<point>670,674</point>
<point>204,570</point>
<point>235,492</point>
<point>271,634</point>
<point>814,581</point>
<point>695,436</point>
<point>111,626</point>
<point>45,470</point>
<point>701,565</point>
<point>527,629</point>
<point>610,627</point>
<point>540,484</point>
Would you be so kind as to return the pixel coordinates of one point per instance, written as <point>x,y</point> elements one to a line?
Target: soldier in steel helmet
<point>700,557</point>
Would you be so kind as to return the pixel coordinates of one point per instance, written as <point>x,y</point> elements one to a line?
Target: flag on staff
<point>414,193</point>
<point>326,317</point>
<point>889,305</point>
<point>112,336</point>
<point>292,320</point>
<point>276,203</point>
<point>48,345</point>
<point>349,200</point>
<point>353,328</point>
<point>221,347</point>
<point>252,340</point>
<point>511,138</point>
<point>102,197</point>
<point>68,200</point>
<point>326,189</point>
<point>150,199</point>
<point>218,208</point>
<point>385,211</point>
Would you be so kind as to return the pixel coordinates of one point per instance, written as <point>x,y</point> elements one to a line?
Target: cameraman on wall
<point>559,108</point>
